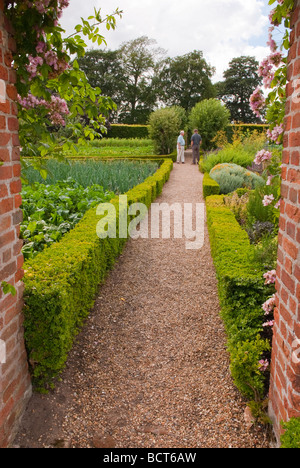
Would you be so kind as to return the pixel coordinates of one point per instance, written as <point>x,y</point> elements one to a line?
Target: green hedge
<point>210,186</point>
<point>128,131</point>
<point>141,131</point>
<point>245,128</point>
<point>242,293</point>
<point>62,281</point>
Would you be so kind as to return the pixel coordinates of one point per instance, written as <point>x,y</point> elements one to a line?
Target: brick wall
<point>285,372</point>
<point>15,388</point>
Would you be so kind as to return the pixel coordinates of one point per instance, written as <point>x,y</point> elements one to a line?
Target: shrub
<point>291,438</point>
<point>242,292</point>
<point>255,208</point>
<point>209,116</point>
<point>245,367</point>
<point>231,176</point>
<point>164,128</point>
<point>230,154</point>
<point>210,186</point>
<point>61,283</point>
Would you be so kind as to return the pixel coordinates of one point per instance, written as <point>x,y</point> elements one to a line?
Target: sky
<point>222,29</point>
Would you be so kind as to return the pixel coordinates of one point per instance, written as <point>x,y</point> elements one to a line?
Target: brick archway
<point>15,387</point>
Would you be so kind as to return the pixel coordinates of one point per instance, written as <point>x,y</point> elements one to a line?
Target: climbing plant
<point>51,92</point>
<point>273,70</point>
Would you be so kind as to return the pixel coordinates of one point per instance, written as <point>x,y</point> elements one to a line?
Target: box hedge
<point>210,186</point>
<point>242,292</point>
<point>62,281</point>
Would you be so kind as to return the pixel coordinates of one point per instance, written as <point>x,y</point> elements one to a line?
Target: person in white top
<point>180,148</point>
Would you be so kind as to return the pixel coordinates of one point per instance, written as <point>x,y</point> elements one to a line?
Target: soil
<point>150,368</point>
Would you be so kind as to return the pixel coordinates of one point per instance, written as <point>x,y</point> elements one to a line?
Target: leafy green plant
<point>8,288</point>
<point>230,154</point>
<point>291,437</point>
<point>50,211</point>
<point>245,367</point>
<point>231,176</point>
<point>257,211</point>
<point>115,176</point>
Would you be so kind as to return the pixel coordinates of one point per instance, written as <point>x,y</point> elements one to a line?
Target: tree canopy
<point>185,80</point>
<point>241,79</point>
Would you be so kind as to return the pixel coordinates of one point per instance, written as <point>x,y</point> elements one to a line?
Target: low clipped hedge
<point>242,292</point>
<point>210,186</point>
<point>62,281</point>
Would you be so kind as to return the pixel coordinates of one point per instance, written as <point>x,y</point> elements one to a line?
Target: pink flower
<point>262,156</point>
<point>276,58</point>
<point>269,305</point>
<point>269,324</point>
<point>257,102</point>
<point>275,134</point>
<point>264,365</point>
<point>265,70</point>
<point>57,107</point>
<point>268,200</point>
<point>270,277</point>
<point>278,204</point>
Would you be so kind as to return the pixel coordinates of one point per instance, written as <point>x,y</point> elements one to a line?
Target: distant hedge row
<point>141,131</point>
<point>128,131</point>
<point>61,283</point>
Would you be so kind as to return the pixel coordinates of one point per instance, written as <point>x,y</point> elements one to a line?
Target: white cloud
<point>222,29</point>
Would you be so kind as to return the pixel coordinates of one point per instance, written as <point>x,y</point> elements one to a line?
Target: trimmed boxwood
<point>62,281</point>
<point>242,292</point>
<point>210,186</point>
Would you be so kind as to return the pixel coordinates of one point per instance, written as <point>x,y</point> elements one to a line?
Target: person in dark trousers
<point>196,142</point>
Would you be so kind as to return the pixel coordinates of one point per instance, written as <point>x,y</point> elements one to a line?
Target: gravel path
<point>150,368</point>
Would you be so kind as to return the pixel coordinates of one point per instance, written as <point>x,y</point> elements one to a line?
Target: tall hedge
<point>128,131</point>
<point>62,281</point>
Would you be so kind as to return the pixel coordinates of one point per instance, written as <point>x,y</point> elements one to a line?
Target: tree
<point>209,116</point>
<point>164,127</point>
<point>138,59</point>
<point>241,79</point>
<point>185,80</point>
<point>104,70</point>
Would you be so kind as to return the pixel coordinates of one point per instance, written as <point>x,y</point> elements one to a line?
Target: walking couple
<point>195,142</point>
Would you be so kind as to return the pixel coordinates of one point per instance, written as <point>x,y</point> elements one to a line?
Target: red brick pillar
<point>285,372</point>
<point>15,387</point>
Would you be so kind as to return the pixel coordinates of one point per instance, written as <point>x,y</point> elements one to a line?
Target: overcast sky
<point>222,29</point>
